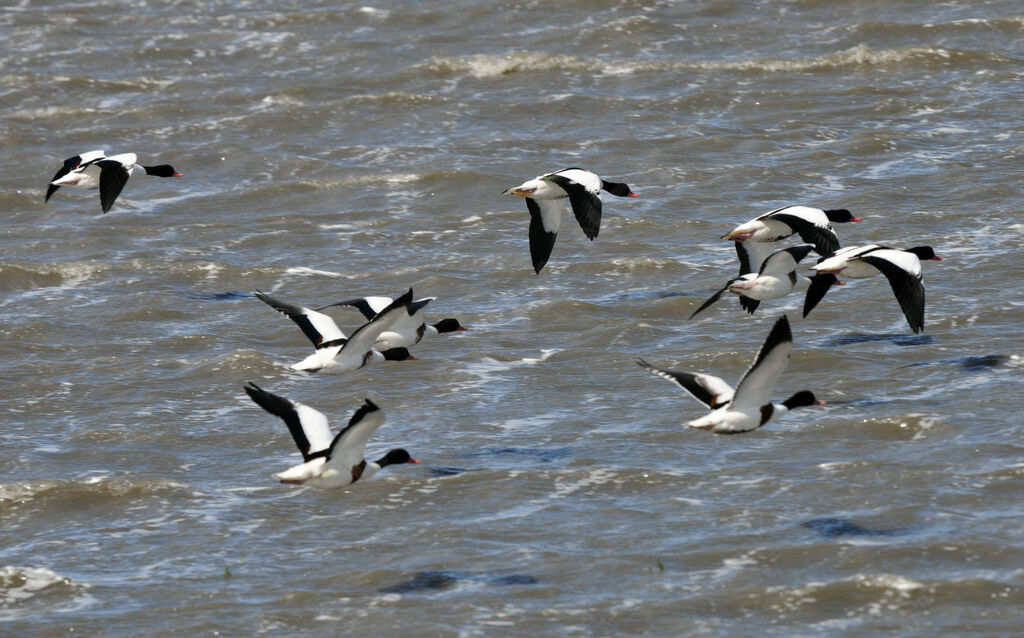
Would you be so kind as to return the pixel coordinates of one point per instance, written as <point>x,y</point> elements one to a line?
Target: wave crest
<point>483,65</point>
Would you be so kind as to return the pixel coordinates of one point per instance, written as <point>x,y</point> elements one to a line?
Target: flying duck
<point>901,267</point>
<point>334,352</point>
<point>776,278</point>
<point>544,195</point>
<point>328,461</point>
<point>749,406</point>
<point>812,224</point>
<point>109,174</point>
<point>408,329</point>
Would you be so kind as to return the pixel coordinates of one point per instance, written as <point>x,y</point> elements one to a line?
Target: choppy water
<point>335,150</point>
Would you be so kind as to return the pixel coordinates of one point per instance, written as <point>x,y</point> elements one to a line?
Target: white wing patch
<point>551,213</point>
<point>315,427</point>
<point>901,258</point>
<point>323,324</point>
<point>586,179</point>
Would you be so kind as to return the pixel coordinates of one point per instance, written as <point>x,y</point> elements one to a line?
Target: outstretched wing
<point>364,336</point>
<point>748,304</point>
<point>309,427</point>
<point>715,297</point>
<point>752,254</point>
<point>904,275</point>
<point>586,205</point>
<point>545,220</point>
<point>710,390</point>
<point>113,177</point>
<point>823,237</point>
<point>755,388</point>
<point>71,164</point>
<point>318,327</point>
<point>819,285</point>
<point>369,306</point>
<point>349,445</point>
<point>782,262</point>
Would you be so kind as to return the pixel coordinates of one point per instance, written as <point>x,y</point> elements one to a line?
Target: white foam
<point>303,270</point>
<point>597,476</point>
<point>33,579</point>
<point>20,584</point>
<point>374,12</point>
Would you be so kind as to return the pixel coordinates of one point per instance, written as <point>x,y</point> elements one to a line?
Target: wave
<point>43,279</point>
<point>483,65</point>
<point>85,490</point>
<point>26,591</point>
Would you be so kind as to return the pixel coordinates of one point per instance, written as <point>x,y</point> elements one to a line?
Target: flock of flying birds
<point>394,324</point>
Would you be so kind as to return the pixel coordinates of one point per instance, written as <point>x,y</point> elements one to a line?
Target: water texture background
<point>333,150</point>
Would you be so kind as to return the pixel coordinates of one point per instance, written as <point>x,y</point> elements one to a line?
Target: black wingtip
<point>820,285</point>
<point>714,298</point>
<point>367,407</point>
<point>780,333</point>
<point>405,299</point>
<point>272,403</point>
<point>801,251</point>
<point>748,304</point>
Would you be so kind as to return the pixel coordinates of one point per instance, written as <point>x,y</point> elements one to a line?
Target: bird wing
<point>715,297</point>
<point>749,304</point>
<point>903,270</point>
<point>417,308</point>
<point>585,203</point>
<point>820,284</point>
<point>309,427</point>
<point>545,220</point>
<point>349,445</point>
<point>587,179</point>
<point>364,336</point>
<point>782,262</point>
<point>413,319</point>
<point>369,306</point>
<point>755,388</point>
<point>752,254</point>
<point>318,327</point>
<point>710,390</point>
<point>113,176</point>
<point>823,237</point>
<point>71,164</point>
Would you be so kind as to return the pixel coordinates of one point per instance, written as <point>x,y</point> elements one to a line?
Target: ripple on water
<point>28,591</point>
